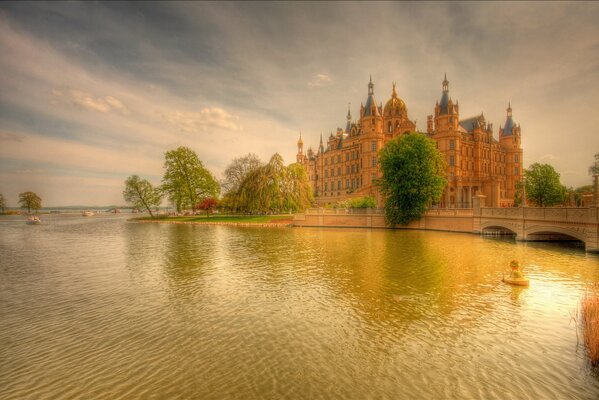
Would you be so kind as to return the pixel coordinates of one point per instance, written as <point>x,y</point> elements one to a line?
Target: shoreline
<point>282,224</point>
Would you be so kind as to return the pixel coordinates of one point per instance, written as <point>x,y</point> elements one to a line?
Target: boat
<point>87,213</point>
<point>516,277</point>
<point>34,220</point>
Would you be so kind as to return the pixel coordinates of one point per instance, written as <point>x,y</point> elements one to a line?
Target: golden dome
<point>395,106</point>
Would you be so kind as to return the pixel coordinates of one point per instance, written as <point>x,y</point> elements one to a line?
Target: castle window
<point>326,161</point>
<point>373,146</point>
<point>372,178</point>
<point>326,186</point>
<point>347,183</point>
<point>390,128</point>
<point>346,156</point>
<point>451,161</point>
<point>516,158</point>
<point>374,161</point>
<point>451,144</point>
<point>347,169</point>
<point>326,173</point>
<point>339,187</point>
<point>339,158</point>
<point>516,171</point>
<point>338,171</point>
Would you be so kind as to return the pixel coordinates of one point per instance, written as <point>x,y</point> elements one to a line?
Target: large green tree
<point>141,194</point>
<point>542,186</point>
<point>186,181</point>
<point>413,177</point>
<point>2,203</point>
<point>30,201</point>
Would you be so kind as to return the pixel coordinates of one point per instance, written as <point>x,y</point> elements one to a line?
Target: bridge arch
<point>552,232</point>
<point>497,226</point>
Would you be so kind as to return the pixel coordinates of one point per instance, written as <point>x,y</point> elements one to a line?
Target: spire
<point>445,84</point>
<point>509,109</point>
<point>348,112</point>
<point>300,141</point>
<point>321,147</point>
<point>370,87</point>
<point>393,92</point>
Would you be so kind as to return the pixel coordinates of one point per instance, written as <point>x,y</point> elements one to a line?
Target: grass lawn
<point>251,219</point>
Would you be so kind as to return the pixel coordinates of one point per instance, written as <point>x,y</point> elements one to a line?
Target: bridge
<point>526,223</point>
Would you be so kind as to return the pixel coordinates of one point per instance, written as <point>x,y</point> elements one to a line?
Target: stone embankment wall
<point>453,220</point>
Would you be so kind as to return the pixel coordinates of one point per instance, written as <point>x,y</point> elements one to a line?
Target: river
<point>103,308</point>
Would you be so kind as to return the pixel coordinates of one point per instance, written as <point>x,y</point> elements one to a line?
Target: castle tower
<point>370,114</point>
<point>446,112</point>
<point>348,124</point>
<point>509,140</point>
<point>395,116</point>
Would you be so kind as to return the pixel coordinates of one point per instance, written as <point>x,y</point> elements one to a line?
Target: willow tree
<point>186,181</point>
<point>274,187</point>
<point>413,177</point>
<point>141,194</point>
<point>30,201</point>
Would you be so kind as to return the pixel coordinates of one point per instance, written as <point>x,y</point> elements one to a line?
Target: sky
<point>93,92</point>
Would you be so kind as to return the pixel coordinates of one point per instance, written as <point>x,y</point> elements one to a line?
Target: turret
<point>300,149</point>
<point>371,118</point>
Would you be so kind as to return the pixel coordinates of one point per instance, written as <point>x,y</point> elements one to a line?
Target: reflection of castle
<point>476,162</point>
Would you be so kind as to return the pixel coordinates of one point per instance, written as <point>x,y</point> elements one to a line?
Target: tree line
<point>250,186</point>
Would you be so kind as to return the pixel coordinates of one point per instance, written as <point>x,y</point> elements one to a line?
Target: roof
<point>470,123</point>
<point>444,102</point>
<point>509,126</point>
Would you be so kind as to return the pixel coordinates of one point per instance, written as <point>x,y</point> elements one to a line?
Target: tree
<point>594,169</point>
<point>274,188</point>
<point>2,203</point>
<point>30,201</point>
<point>209,204</point>
<point>186,181</point>
<point>542,186</point>
<point>141,194</point>
<point>236,172</point>
<point>413,177</point>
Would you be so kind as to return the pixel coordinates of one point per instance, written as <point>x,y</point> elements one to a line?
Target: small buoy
<point>516,276</point>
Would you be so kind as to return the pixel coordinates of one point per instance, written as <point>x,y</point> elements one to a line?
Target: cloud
<point>204,120</point>
<point>548,158</point>
<point>87,101</point>
<point>9,136</point>
<point>320,80</point>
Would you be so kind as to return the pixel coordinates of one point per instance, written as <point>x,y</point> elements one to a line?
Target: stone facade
<point>476,162</point>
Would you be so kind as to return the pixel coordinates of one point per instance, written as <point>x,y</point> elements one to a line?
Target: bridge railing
<point>558,214</point>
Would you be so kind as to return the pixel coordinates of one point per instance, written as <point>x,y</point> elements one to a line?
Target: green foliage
<point>357,202</point>
<point>594,169</point>
<point>413,177</point>
<point>2,203</point>
<point>186,181</point>
<point>542,185</point>
<point>141,194</point>
<point>30,201</point>
<point>272,187</point>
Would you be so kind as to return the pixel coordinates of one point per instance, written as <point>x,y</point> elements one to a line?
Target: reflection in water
<point>155,310</point>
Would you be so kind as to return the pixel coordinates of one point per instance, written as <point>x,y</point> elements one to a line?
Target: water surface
<point>104,308</point>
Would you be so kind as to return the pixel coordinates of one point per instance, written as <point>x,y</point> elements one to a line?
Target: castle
<point>347,165</point>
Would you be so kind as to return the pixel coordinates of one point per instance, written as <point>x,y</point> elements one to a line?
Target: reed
<point>590,319</point>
